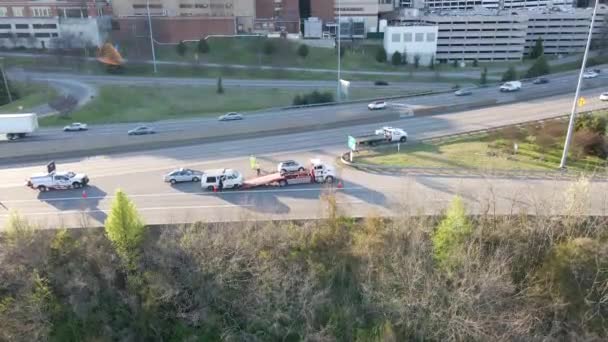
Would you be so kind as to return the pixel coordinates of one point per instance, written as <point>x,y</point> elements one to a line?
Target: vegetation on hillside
<point>452,278</point>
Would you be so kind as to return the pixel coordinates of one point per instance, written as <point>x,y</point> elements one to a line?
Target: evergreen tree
<point>475,63</point>
<point>455,63</point>
<point>4,98</point>
<point>396,58</point>
<point>220,86</point>
<point>203,46</point>
<point>303,50</point>
<point>450,236</point>
<point>432,63</point>
<point>381,56</point>
<point>538,49</point>
<point>484,76</point>
<point>181,48</point>
<point>416,61</point>
<point>125,228</point>
<point>509,75</point>
<point>539,68</point>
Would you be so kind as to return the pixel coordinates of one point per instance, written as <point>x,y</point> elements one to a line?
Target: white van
<point>510,86</point>
<point>231,179</point>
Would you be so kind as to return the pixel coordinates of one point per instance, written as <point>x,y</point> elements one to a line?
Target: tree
<point>538,49</point>
<point>416,61</point>
<point>269,47</point>
<point>539,68</point>
<point>125,228</point>
<point>432,63</point>
<point>4,98</point>
<point>451,234</point>
<point>475,63</point>
<point>404,60</point>
<point>455,63</point>
<point>509,75</point>
<point>303,50</point>
<point>594,123</point>
<point>396,58</point>
<point>220,86</point>
<point>181,48</point>
<point>484,76</point>
<point>381,55</point>
<point>203,46</point>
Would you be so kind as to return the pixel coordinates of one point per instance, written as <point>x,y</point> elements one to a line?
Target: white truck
<point>510,86</point>
<point>58,181</point>
<point>16,126</point>
<point>384,135</point>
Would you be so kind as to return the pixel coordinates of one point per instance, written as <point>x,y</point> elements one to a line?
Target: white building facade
<point>412,41</point>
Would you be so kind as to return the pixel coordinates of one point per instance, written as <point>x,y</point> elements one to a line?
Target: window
<point>55,35</point>
<point>23,35</point>
<point>419,37</point>
<point>44,26</point>
<point>211,179</point>
<point>5,35</point>
<point>407,37</point>
<point>42,35</point>
<point>144,6</point>
<point>396,38</point>
<point>185,6</point>
<point>41,11</point>
<point>3,11</point>
<point>18,11</point>
<point>5,26</point>
<point>430,37</point>
<point>22,26</point>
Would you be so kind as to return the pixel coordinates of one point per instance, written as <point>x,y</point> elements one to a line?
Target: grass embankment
<point>539,147</point>
<point>488,278</point>
<point>30,96</point>
<point>144,104</point>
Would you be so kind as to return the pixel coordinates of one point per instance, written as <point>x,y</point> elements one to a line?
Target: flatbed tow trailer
<point>284,179</point>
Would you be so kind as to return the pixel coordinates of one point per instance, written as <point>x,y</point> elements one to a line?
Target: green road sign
<point>352,143</point>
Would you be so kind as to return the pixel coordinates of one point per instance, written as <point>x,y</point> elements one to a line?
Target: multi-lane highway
<point>139,174</point>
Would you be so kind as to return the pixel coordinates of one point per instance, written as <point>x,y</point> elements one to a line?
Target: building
<point>277,16</point>
<point>53,24</point>
<point>412,41</point>
<point>472,4</point>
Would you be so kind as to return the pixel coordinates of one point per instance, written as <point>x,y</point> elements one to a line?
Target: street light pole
<point>570,133</point>
<point>151,35</point>
<point>8,91</point>
<point>339,97</point>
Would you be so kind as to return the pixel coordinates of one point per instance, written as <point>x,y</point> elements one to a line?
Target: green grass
<point>144,104</point>
<point>31,95</point>
<point>485,152</point>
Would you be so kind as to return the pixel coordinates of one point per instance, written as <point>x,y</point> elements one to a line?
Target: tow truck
<point>384,135</point>
<point>319,172</point>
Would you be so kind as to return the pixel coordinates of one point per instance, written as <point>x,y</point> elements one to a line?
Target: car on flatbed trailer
<point>384,135</point>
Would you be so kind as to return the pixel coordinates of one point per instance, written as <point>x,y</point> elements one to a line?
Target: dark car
<point>381,83</point>
<point>541,80</point>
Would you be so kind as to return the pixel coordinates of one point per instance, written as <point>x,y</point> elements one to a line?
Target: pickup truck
<point>510,86</point>
<point>58,181</point>
<point>384,135</point>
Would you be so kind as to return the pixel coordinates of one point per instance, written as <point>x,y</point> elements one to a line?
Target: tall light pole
<point>8,91</point>
<point>339,28</point>
<point>151,36</point>
<point>570,133</point>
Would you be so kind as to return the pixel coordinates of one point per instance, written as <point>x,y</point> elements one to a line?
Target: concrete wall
<point>413,40</point>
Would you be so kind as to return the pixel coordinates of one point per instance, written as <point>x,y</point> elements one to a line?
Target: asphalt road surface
<point>140,175</point>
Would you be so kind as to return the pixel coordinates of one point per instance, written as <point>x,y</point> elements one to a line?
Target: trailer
<point>16,126</point>
<point>384,135</point>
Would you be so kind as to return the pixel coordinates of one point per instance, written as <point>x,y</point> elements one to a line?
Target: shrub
<point>313,98</point>
<point>125,228</point>
<point>381,55</point>
<point>269,47</point>
<point>303,50</point>
<point>590,143</point>
<point>181,48</point>
<point>416,61</point>
<point>475,63</point>
<point>450,235</point>
<point>509,75</point>
<point>539,68</point>
<point>203,46</point>
<point>592,122</point>
<point>396,58</point>
<point>538,50</point>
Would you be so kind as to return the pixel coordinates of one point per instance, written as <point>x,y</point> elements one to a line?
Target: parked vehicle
<point>183,175</point>
<point>541,80</point>
<point>381,83</point>
<point>75,127</point>
<point>16,126</point>
<point>384,135</point>
<point>231,179</point>
<point>231,116</point>
<point>377,105</point>
<point>463,92</point>
<point>590,74</point>
<point>58,181</point>
<point>510,86</point>
<point>289,166</point>
<point>141,130</point>
<point>604,96</point>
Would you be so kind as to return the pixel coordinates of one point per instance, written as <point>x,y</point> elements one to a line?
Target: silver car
<point>463,92</point>
<point>289,166</point>
<point>231,116</point>
<point>141,130</point>
<point>183,175</point>
<point>75,126</point>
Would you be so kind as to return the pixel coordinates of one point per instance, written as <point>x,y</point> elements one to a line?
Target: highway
<point>139,174</point>
<point>277,121</point>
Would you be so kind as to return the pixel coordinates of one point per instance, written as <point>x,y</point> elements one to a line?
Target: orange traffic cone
<point>340,185</point>
<point>214,188</point>
<point>84,194</point>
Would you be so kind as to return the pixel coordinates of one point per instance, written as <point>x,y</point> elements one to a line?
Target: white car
<point>604,97</point>
<point>141,130</point>
<point>463,92</point>
<point>289,166</point>
<point>75,126</point>
<point>183,175</point>
<point>590,74</point>
<point>230,116</point>
<point>377,105</point>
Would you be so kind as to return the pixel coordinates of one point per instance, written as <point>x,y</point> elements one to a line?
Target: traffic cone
<point>84,194</point>
<point>214,188</point>
<point>340,185</point>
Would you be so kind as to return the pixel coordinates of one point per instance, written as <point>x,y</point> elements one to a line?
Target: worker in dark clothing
<point>221,184</point>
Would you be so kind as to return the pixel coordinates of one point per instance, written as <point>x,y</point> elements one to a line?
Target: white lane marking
<point>166,194</point>
<point>74,212</point>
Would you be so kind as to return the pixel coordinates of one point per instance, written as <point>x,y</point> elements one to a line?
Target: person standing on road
<point>221,184</point>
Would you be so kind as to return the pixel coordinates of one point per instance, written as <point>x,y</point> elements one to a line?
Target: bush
<point>269,47</point>
<point>181,48</point>
<point>539,68</point>
<point>449,238</point>
<point>396,58</point>
<point>509,75</point>
<point>381,55</point>
<point>203,46</point>
<point>590,143</point>
<point>315,97</point>
<point>475,63</point>
<point>303,50</point>
<point>592,122</point>
<point>416,61</point>
<point>4,98</point>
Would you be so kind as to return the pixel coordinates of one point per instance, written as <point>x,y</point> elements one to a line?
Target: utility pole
<point>151,35</point>
<point>570,133</point>
<point>8,90</point>
<point>339,94</point>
